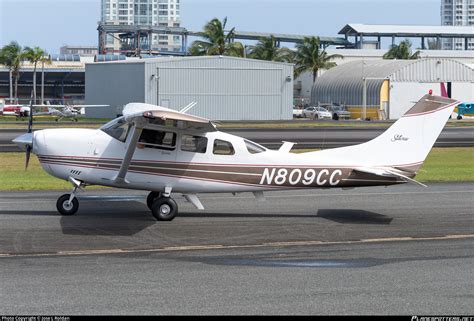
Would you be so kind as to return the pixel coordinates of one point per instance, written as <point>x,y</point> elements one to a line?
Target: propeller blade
<point>30,130</point>
<point>30,120</point>
<point>28,153</point>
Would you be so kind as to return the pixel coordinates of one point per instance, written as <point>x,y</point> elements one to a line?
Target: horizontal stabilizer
<point>387,172</point>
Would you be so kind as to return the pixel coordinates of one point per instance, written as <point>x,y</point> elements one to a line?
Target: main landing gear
<point>163,207</point>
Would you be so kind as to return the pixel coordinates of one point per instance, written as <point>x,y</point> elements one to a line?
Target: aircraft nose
<point>24,140</point>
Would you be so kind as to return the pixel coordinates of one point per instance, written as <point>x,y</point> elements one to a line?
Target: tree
<point>310,57</point>
<point>401,51</point>
<point>35,55</point>
<point>217,41</point>
<point>267,49</point>
<point>11,56</point>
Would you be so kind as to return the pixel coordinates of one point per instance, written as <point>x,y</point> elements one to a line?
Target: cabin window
<point>221,147</point>
<point>195,144</point>
<point>254,148</point>
<point>118,129</point>
<point>157,139</point>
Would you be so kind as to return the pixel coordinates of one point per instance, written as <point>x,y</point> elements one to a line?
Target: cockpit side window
<point>222,147</point>
<point>157,139</point>
<point>118,129</point>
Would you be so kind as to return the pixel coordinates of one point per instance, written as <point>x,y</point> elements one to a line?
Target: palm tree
<point>11,56</point>
<point>217,41</point>
<point>401,51</point>
<point>267,49</point>
<point>310,57</point>
<point>35,55</point>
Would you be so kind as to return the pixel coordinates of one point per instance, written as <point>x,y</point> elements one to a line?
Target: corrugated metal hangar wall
<point>224,88</point>
<point>392,85</point>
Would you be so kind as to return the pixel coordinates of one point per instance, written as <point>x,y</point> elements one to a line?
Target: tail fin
<point>406,144</point>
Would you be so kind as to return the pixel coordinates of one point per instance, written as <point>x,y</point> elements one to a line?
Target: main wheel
<point>151,197</point>
<point>64,207</point>
<point>164,209</point>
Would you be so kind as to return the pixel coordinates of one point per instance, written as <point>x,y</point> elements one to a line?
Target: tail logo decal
<point>399,138</point>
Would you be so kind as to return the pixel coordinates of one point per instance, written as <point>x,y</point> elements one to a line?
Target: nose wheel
<point>66,206</point>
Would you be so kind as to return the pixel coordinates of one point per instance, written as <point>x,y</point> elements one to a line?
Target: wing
<point>163,118</point>
<point>169,119</point>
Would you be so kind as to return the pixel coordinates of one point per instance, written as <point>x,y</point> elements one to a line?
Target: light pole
<point>364,92</point>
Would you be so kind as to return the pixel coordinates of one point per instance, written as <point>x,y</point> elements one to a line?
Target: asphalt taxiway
<point>396,250</point>
<point>314,138</point>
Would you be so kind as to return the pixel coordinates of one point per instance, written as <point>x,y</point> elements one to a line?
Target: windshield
<point>117,128</point>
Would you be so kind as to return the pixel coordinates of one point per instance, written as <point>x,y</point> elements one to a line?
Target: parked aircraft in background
<point>59,111</point>
<point>465,109</point>
<point>167,152</point>
<point>15,110</point>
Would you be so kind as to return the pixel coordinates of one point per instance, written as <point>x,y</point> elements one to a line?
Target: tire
<point>150,198</point>
<point>63,208</point>
<point>164,209</point>
<point>335,117</point>
<point>459,117</point>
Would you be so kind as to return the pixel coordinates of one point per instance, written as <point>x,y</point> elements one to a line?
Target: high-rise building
<point>143,12</point>
<point>457,13</point>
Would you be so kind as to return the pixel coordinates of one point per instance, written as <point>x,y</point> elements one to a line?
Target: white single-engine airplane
<point>59,111</point>
<point>164,151</point>
<point>65,111</point>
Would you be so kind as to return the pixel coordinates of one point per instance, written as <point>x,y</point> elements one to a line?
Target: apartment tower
<point>457,13</point>
<point>143,12</point>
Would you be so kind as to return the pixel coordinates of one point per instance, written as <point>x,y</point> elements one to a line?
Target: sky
<point>51,24</point>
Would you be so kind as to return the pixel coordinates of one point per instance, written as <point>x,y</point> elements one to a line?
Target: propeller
<point>30,130</point>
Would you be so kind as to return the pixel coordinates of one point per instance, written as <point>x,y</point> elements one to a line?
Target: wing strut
<point>136,132</point>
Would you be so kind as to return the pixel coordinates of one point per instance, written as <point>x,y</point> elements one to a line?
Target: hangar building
<point>225,88</point>
<point>392,86</point>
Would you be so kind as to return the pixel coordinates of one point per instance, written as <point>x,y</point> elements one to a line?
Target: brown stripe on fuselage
<point>269,176</point>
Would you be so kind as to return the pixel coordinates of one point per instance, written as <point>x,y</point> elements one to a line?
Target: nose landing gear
<point>68,204</point>
<point>65,206</point>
